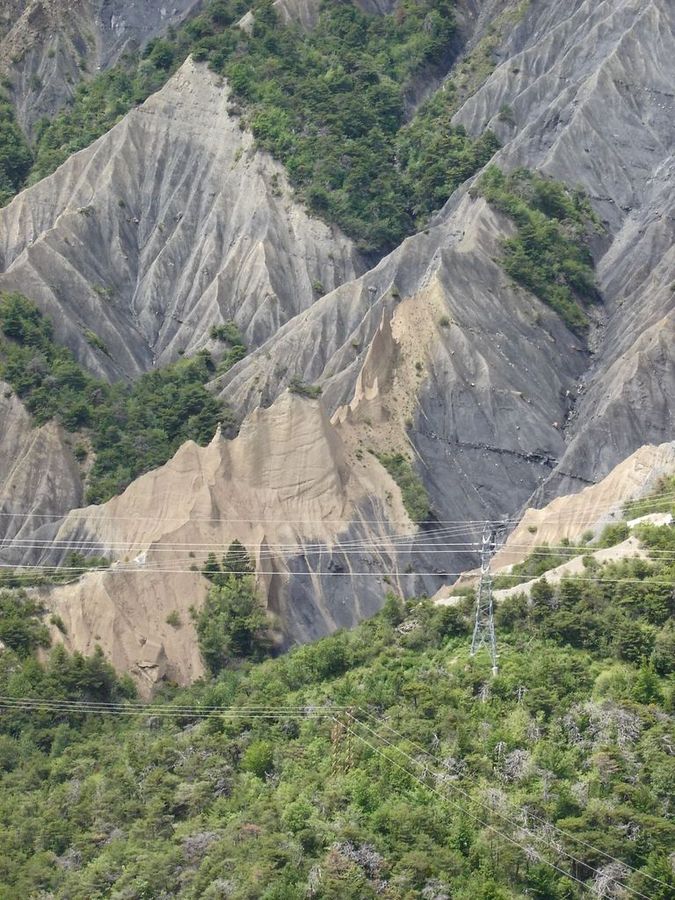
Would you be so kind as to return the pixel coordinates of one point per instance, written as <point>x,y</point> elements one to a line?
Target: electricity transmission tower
<point>484,627</point>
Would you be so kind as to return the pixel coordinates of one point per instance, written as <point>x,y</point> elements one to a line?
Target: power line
<point>273,550</point>
<point>124,569</point>
<point>471,799</point>
<point>470,814</point>
<point>476,524</point>
<point>381,721</point>
<point>307,711</point>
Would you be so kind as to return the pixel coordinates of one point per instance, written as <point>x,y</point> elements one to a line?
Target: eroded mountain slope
<point>325,531</point>
<point>568,72</point>
<point>48,46</point>
<point>589,97</point>
<point>435,352</point>
<point>167,225</point>
<point>476,374</point>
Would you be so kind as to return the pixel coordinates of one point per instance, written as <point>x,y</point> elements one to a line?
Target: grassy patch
<point>311,391</point>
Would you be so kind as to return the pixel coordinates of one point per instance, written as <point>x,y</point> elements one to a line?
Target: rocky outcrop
<point>126,614</point>
<point>169,224</point>
<point>48,46</point>
<point>326,530</point>
<point>569,517</point>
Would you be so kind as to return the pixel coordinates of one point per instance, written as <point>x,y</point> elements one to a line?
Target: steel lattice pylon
<point>484,627</point>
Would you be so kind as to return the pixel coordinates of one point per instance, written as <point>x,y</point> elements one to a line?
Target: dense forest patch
<point>132,427</point>
<point>419,790</point>
<point>329,104</point>
<point>549,255</point>
<point>15,154</point>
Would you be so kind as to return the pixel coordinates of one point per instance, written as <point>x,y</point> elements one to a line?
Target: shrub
<point>549,254</point>
<point>95,341</point>
<point>298,386</point>
<point>21,628</point>
<point>613,534</point>
<point>413,493</point>
<point>258,759</point>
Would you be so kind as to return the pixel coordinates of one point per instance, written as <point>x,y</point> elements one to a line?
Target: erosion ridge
<point>169,224</point>
<point>632,366</point>
<point>284,489</point>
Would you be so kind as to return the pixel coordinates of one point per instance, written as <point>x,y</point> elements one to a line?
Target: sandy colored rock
<point>126,614</point>
<point>592,508</point>
<point>324,537</point>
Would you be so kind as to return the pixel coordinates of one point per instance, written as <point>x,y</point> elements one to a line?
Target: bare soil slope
<point>48,46</point>
<point>170,223</point>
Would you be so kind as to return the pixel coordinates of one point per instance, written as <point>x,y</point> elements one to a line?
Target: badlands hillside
<point>295,297</point>
<point>379,402</point>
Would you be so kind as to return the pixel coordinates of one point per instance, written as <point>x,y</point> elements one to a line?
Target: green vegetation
<point>73,566</point>
<point>232,623</point>
<point>660,500</point>
<point>541,560</point>
<point>228,334</point>
<point>413,493</point>
<point>589,615</point>
<point>613,534</point>
<point>95,341</point>
<point>574,729</point>
<point>549,254</point>
<point>15,154</point>
<point>21,628</point>
<point>328,103</point>
<point>298,386</point>
<point>174,619</point>
<point>435,156</point>
<point>132,428</point>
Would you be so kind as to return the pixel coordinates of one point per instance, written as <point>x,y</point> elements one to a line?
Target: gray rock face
<point>167,225</point>
<point>48,46</point>
<point>495,372</point>
<point>590,87</point>
<point>591,92</point>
